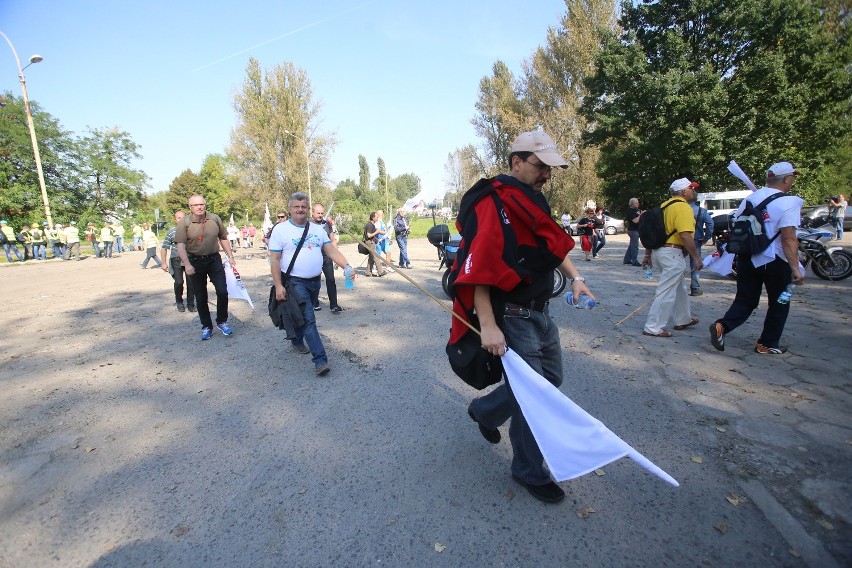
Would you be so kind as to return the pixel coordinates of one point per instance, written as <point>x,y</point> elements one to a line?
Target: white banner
<point>236,288</point>
<point>572,441</point>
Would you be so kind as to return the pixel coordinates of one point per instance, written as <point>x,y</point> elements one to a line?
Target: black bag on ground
<point>748,235</point>
<point>652,228</point>
<point>474,365</point>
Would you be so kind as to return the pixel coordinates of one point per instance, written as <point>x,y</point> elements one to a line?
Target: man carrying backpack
<point>670,299</point>
<point>774,267</point>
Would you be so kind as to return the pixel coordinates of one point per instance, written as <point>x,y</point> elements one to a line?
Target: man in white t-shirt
<point>774,268</point>
<point>566,221</point>
<point>305,275</point>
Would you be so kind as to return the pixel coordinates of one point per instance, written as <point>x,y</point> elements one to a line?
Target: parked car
<point>817,216</point>
<point>613,226</point>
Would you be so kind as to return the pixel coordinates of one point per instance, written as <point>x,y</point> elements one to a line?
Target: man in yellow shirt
<point>10,241</point>
<point>71,238</point>
<point>149,238</point>
<point>671,300</point>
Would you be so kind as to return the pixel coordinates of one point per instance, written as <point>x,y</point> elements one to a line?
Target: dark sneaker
<point>717,336</point>
<point>696,293</point>
<point>323,370</point>
<point>180,307</point>
<point>190,307</point>
<point>301,348</point>
<point>206,333</point>
<point>763,349</point>
<point>549,492</point>
<point>317,308</point>
<point>492,435</point>
<point>336,310</point>
<point>224,328</point>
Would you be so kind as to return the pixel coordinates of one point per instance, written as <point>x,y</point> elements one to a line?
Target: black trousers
<point>178,275</point>
<point>774,276</point>
<point>209,267</point>
<point>330,284</point>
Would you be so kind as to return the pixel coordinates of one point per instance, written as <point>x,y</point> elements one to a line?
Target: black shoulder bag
<point>292,303</point>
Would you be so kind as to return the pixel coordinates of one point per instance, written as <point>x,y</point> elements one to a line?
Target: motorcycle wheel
<point>841,270</point>
<point>445,282</point>
<point>559,283</point>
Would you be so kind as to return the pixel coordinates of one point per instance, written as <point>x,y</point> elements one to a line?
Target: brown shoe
<point>663,333</point>
<point>686,325</point>
<point>323,370</point>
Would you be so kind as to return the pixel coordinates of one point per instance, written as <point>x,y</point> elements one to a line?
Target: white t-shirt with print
<point>782,212</point>
<point>285,238</point>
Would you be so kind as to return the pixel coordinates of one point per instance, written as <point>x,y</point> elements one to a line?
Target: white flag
<point>722,264</point>
<point>735,169</point>
<point>267,220</point>
<point>236,288</point>
<point>572,441</point>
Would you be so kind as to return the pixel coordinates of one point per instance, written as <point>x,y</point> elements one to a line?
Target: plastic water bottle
<point>347,274</point>
<point>585,302</point>
<point>784,297</point>
<point>649,274</point>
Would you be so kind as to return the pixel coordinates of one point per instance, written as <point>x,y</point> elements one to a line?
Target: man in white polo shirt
<point>305,275</point>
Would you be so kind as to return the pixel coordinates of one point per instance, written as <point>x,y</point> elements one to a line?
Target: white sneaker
<point>389,269</point>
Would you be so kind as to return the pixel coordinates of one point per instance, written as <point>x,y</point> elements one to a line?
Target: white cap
<point>541,145</point>
<point>680,184</point>
<point>781,169</point>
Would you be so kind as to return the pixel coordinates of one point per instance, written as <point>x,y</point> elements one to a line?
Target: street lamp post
<point>307,162</point>
<point>33,59</point>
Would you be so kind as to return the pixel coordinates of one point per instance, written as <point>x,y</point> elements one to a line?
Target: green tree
<point>502,114</point>
<point>20,194</point>
<point>181,189</point>
<point>111,187</point>
<point>404,187</point>
<point>276,133</point>
<point>463,168</point>
<point>363,177</point>
<point>688,86</point>
<point>382,178</point>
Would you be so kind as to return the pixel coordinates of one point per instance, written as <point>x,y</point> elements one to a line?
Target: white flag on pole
<point>720,263</point>
<point>572,441</point>
<point>267,220</point>
<point>232,219</point>
<point>236,288</point>
<point>735,169</point>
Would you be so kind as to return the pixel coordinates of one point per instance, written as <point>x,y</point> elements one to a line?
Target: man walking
<point>318,217</point>
<point>631,257</point>
<point>703,232</point>
<point>149,237</point>
<point>71,239</point>
<point>774,268</point>
<point>506,275</point>
<point>402,228</point>
<point>198,237</point>
<point>670,298</point>
<point>10,241</point>
<point>304,276</point>
<point>838,212</point>
<point>174,266</point>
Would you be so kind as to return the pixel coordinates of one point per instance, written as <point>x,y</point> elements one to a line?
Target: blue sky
<point>397,80</point>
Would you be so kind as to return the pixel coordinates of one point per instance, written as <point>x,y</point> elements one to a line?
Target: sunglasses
<point>282,216</point>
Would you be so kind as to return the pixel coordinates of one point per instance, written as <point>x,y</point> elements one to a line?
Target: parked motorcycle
<point>828,263</point>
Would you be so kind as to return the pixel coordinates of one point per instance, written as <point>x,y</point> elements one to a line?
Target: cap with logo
<point>541,145</point>
<point>680,184</point>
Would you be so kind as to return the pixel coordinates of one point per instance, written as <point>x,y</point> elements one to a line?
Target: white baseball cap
<point>781,169</point>
<point>541,145</point>
<point>680,184</point>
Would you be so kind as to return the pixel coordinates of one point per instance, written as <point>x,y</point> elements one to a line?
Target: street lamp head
<point>36,59</point>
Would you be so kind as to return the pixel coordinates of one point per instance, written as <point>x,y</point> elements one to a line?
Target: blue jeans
<point>306,290</point>
<point>598,242</point>
<point>8,247</point>
<point>695,283</point>
<point>839,227</point>
<point>403,250</point>
<point>119,244</point>
<point>632,254</point>
<point>536,340</point>
<point>39,252</point>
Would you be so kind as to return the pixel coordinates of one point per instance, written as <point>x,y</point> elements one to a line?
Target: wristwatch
<point>580,278</point>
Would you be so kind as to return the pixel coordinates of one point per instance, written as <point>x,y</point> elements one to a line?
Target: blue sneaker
<point>206,333</point>
<point>225,328</point>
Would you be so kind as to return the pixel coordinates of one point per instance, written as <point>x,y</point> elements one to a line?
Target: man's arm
<point>709,226</point>
<point>686,238</point>
<point>492,336</point>
<point>226,245</point>
<point>577,286</point>
<point>165,265</point>
<point>275,269</point>
<point>790,244</point>
<point>337,257</point>
<point>184,258</point>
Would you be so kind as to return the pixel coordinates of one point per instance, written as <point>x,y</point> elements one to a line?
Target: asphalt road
<point>125,441</point>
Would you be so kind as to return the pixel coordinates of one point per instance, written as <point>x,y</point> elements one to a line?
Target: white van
<point>722,202</point>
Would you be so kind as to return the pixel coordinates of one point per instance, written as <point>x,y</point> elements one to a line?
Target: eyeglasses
<point>542,167</point>
<point>282,216</point>
<point>197,204</point>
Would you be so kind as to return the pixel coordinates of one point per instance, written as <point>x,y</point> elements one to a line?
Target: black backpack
<point>748,235</point>
<point>652,228</point>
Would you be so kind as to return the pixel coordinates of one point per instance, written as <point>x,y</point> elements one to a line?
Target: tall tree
<point>555,89</point>
<point>363,176</point>
<point>463,168</point>
<point>502,113</point>
<point>111,186</point>
<point>688,86</point>
<point>181,189</point>
<point>277,135</point>
<point>382,178</point>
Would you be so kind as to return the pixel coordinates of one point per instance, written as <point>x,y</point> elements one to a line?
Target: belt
<point>672,245</point>
<point>535,305</point>
<point>194,256</point>
<point>313,279</point>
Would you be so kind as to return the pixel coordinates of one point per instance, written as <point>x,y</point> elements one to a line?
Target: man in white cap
<point>671,300</point>
<point>505,271</point>
<point>774,268</point>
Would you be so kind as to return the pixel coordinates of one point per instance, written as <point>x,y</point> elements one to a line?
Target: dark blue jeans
<point>632,254</point>
<point>209,266</point>
<point>598,242</point>
<point>536,340</point>
<point>775,276</point>
<point>403,250</point>
<point>307,289</point>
